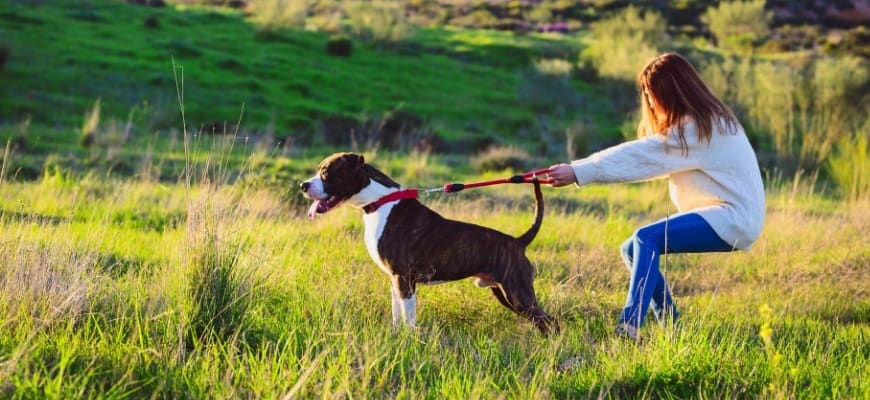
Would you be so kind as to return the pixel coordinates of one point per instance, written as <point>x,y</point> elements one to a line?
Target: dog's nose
<point>304,186</point>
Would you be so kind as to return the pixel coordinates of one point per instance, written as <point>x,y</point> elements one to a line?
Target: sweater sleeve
<point>648,158</point>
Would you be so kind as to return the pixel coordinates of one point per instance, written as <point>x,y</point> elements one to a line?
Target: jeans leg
<point>683,233</point>
<point>645,277</point>
<point>662,303</point>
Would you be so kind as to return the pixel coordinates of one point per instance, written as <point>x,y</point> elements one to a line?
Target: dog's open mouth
<point>324,205</point>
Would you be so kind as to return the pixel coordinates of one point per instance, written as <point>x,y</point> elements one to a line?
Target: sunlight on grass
<point>319,320</point>
<point>171,258</point>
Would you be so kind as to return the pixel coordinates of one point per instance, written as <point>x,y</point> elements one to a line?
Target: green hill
<point>465,88</point>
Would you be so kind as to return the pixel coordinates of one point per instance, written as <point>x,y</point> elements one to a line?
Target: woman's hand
<point>562,175</point>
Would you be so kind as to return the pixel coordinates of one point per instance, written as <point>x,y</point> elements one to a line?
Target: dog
<point>415,245</point>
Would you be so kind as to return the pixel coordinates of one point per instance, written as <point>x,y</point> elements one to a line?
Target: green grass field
<point>64,55</point>
<point>162,262</point>
<point>99,278</point>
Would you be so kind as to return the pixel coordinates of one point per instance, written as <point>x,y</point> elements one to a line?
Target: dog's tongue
<point>314,209</point>
<point>320,207</point>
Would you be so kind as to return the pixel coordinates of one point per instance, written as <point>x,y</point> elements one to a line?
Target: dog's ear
<point>356,160</point>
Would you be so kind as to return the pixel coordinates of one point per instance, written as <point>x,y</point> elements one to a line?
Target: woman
<point>687,135</point>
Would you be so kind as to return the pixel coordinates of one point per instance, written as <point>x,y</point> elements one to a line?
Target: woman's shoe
<point>628,332</point>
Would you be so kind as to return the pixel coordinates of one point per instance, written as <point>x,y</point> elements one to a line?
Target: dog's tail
<point>527,237</point>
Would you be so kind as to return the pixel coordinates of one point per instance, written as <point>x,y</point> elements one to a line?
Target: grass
<point>108,312</point>
<point>171,263</point>
<point>285,78</point>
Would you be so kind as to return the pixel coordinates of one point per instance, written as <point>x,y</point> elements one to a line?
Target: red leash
<point>527,177</point>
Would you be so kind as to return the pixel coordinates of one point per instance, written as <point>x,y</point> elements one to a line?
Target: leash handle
<point>452,187</point>
<point>527,177</point>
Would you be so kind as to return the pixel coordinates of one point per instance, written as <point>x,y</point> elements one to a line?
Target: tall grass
<point>800,108</point>
<point>738,24</point>
<point>380,21</point>
<point>849,167</point>
<point>91,123</point>
<point>273,15</point>
<point>220,291</point>
<point>303,310</point>
<point>622,44</point>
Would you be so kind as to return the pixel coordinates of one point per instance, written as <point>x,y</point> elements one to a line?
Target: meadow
<point>126,288</point>
<point>154,243</point>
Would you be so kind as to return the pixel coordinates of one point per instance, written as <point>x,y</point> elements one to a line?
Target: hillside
<point>459,86</point>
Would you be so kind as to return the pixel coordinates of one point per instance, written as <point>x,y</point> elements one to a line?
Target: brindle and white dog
<point>413,244</point>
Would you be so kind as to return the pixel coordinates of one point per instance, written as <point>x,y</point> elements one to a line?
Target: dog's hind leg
<point>519,294</point>
<point>529,308</point>
<point>496,291</point>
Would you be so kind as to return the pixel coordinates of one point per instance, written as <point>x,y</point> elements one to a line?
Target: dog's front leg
<point>397,304</point>
<point>409,310</point>
<point>404,302</point>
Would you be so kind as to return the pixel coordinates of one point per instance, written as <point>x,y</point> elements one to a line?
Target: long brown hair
<point>679,92</point>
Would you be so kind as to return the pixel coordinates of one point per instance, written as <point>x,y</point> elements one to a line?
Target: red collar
<point>401,194</point>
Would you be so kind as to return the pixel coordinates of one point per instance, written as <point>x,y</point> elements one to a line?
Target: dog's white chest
<point>374,229</point>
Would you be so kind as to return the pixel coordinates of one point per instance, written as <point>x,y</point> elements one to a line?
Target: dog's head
<point>344,177</point>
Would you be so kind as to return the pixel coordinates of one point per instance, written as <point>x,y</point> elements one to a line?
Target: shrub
<point>399,129</point>
<point>219,293</point>
<point>849,166</point>
<point>577,139</point>
<point>621,45</point>
<point>377,21</point>
<point>554,67</point>
<point>273,15</point>
<point>500,158</point>
<point>738,24</point>
<point>90,125</point>
<point>162,117</point>
<point>799,108</point>
<point>338,129</point>
<point>151,22</point>
<point>219,297</point>
<point>339,46</point>
<point>853,41</point>
<point>547,87</point>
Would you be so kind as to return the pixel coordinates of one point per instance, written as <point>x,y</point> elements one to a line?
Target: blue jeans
<point>683,233</point>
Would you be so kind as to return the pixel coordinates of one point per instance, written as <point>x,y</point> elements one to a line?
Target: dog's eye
<point>326,177</point>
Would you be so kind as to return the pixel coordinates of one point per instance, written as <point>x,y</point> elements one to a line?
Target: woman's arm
<point>643,159</point>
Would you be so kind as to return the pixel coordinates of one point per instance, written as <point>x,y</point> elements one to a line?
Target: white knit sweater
<point>719,180</point>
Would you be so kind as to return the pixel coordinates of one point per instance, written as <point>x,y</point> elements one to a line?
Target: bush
<point>88,132</point>
<point>853,41</point>
<point>738,24</point>
<point>377,21</point>
<point>273,15</point>
<point>623,44</point>
<point>799,108</point>
<point>338,129</point>
<point>219,293</point>
<point>547,87</point>
<point>339,46</point>
<point>849,167</point>
<point>398,129</point>
<point>500,158</point>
